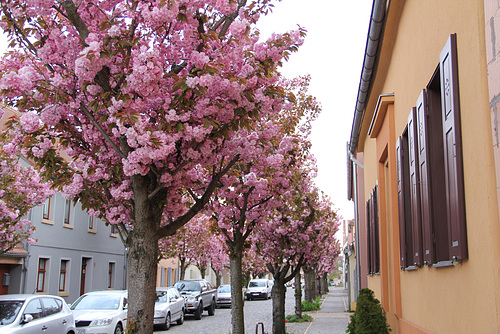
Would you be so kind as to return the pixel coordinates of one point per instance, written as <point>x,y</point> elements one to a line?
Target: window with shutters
<point>373,233</point>
<point>431,197</point>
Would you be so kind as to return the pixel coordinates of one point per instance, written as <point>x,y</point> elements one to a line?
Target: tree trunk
<point>141,279</point>
<point>142,259</point>
<point>218,277</point>
<point>182,274</point>
<point>309,289</point>
<point>278,295</point>
<point>203,271</point>
<point>317,285</point>
<point>324,284</point>
<point>298,296</point>
<point>237,316</point>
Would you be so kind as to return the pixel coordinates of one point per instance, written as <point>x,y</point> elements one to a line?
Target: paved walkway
<point>332,318</point>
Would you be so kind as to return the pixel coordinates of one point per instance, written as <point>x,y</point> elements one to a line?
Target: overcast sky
<point>333,54</point>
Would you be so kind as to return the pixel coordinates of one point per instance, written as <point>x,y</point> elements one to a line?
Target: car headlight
<point>101,322</point>
<point>158,313</point>
<point>192,299</point>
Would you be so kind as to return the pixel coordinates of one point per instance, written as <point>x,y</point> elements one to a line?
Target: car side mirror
<point>27,318</point>
<point>203,288</point>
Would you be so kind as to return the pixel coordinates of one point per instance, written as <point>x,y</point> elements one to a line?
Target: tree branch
<point>170,229</point>
<point>100,129</point>
<point>76,20</point>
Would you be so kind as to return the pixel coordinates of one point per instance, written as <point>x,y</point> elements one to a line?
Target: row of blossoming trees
<point>167,110</point>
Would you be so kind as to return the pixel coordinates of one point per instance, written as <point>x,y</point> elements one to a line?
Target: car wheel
<point>168,322</point>
<point>180,321</point>
<point>211,309</point>
<point>198,312</point>
<point>118,329</point>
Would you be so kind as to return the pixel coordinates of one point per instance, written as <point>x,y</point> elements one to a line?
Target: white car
<point>169,307</point>
<point>27,314</point>
<point>259,288</point>
<point>101,312</point>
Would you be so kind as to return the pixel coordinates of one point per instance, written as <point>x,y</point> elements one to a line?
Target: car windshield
<point>9,310</point>
<point>256,284</point>
<point>188,286</point>
<point>224,288</point>
<point>161,296</point>
<point>97,302</point>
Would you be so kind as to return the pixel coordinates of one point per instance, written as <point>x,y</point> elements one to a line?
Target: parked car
<point>223,295</point>
<point>199,296</point>
<point>169,307</point>
<point>259,288</point>
<point>103,312</point>
<point>30,313</point>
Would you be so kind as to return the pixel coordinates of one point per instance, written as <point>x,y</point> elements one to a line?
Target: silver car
<point>169,306</point>
<point>29,313</point>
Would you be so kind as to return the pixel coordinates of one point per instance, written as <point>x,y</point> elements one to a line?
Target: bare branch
<point>76,20</point>
<point>100,129</point>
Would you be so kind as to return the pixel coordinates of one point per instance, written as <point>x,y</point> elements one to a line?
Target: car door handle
<point>64,322</point>
<point>44,328</point>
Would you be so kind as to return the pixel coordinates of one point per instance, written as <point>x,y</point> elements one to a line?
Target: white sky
<point>333,54</point>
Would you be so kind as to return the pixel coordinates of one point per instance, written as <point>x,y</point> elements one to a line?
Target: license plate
<point>80,331</point>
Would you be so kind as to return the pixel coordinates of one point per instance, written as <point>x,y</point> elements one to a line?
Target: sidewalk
<point>332,318</point>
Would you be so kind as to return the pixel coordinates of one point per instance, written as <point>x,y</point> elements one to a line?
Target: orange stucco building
<point>424,169</point>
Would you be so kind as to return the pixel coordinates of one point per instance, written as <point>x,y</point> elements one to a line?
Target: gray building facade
<point>74,254</point>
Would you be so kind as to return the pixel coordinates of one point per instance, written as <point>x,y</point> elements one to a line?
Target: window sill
<point>68,226</point>
<point>411,268</point>
<point>48,222</point>
<point>41,293</point>
<point>92,231</point>
<point>443,264</point>
<point>63,294</point>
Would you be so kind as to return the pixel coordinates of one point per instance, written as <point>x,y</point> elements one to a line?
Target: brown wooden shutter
<point>425,180</point>
<point>415,189</point>
<point>376,230</point>
<point>455,195</point>
<point>403,202</point>
<point>369,235</point>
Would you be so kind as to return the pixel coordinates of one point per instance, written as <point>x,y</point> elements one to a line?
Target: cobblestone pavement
<point>255,311</point>
<point>331,319</point>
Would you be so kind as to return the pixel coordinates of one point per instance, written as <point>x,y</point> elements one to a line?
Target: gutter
<point>369,64</point>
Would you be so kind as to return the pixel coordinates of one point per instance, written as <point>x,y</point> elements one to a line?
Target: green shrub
<point>369,318</point>
<point>311,306</point>
<point>296,318</point>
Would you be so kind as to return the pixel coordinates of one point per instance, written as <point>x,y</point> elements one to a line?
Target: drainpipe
<point>369,64</point>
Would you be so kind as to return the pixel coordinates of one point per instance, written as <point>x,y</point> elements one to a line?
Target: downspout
<point>369,64</point>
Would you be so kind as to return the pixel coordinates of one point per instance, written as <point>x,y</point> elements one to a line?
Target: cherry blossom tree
<point>261,179</point>
<point>145,99</point>
<point>21,189</point>
<point>294,236</point>
<point>196,244</point>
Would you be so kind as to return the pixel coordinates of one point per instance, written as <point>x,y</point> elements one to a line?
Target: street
<point>255,311</point>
